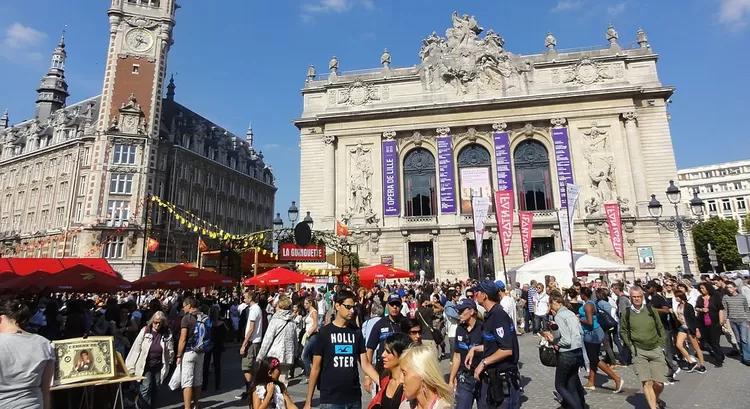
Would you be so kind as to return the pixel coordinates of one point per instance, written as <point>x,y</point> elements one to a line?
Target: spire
<point>249,135</point>
<point>4,119</point>
<point>53,91</point>
<point>170,88</point>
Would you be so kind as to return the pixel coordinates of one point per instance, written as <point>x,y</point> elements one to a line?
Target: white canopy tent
<point>558,264</point>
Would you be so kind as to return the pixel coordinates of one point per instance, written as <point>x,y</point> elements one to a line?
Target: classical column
<point>329,178</point>
<point>636,155</point>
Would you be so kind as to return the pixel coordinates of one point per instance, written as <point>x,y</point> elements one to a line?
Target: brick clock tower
<point>127,142</point>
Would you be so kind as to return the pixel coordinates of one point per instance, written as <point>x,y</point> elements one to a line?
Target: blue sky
<point>241,61</point>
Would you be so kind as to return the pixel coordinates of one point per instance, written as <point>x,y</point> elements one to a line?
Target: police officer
<point>498,369</point>
<point>468,337</point>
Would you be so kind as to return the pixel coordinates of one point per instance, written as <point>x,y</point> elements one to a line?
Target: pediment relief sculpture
<point>528,131</point>
<point>359,93</point>
<point>465,63</point>
<point>585,72</point>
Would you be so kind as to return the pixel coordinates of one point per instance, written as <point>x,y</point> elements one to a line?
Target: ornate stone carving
<point>359,93</point>
<point>529,130</point>
<point>611,34</point>
<point>333,65</point>
<point>329,139</point>
<point>311,73</point>
<point>360,180</point>
<point>630,116</point>
<point>385,59</point>
<point>415,137</point>
<point>641,38</point>
<point>558,122</point>
<point>142,22</point>
<point>467,63</point>
<point>443,131</point>
<point>550,42</point>
<point>600,164</point>
<point>499,126</point>
<point>131,119</point>
<point>389,135</point>
<point>472,135</point>
<point>587,72</point>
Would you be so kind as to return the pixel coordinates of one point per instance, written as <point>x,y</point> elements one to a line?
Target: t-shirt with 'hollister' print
<point>339,349</point>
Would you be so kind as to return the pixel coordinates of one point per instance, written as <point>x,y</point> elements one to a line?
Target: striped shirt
<point>736,307</point>
<point>530,301</point>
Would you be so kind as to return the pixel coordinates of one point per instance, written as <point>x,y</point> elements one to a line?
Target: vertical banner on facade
<point>480,205</point>
<point>612,210</point>
<point>504,216</point>
<point>562,159</point>
<point>526,222</point>
<point>565,216</point>
<point>390,179</point>
<point>446,175</point>
<point>502,161</point>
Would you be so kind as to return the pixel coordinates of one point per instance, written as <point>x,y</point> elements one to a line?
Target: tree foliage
<point>746,224</point>
<point>720,234</point>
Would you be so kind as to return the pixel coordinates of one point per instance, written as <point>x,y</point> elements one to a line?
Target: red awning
<point>184,276</point>
<point>5,266</point>
<point>279,276</point>
<point>381,272</point>
<point>25,266</point>
<point>23,282</point>
<point>82,279</point>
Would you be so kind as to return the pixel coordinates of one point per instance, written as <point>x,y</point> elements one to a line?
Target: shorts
<point>650,365</point>
<point>192,370</point>
<point>688,331</point>
<point>248,361</point>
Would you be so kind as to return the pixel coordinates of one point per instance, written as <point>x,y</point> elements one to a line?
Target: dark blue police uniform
<point>468,389</point>
<point>499,332</point>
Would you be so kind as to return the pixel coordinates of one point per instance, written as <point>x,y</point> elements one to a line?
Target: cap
<point>466,303</point>
<point>500,284</point>
<point>401,293</point>
<point>487,287</point>
<point>394,299</point>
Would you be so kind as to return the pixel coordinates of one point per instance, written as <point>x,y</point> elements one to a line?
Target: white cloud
<point>270,146</point>
<point>616,10</point>
<point>562,6</point>
<point>19,42</point>
<point>734,13</point>
<point>333,6</point>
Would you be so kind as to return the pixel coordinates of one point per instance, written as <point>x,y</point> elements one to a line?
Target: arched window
<point>419,183</point>
<point>531,163</point>
<point>474,169</point>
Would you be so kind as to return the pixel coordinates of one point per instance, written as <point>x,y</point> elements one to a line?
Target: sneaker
<point>242,396</point>
<point>676,372</point>
<point>670,380</point>
<point>693,367</point>
<point>701,369</point>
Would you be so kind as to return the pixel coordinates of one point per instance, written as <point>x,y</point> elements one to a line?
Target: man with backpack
<point>195,341</point>
<point>643,333</point>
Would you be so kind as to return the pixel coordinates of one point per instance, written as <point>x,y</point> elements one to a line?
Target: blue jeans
<point>149,388</point>
<point>622,349</point>
<point>307,353</point>
<point>567,382</point>
<point>468,390</point>
<point>511,402</point>
<point>355,405</point>
<point>742,333</point>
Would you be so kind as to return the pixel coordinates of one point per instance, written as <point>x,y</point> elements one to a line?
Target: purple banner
<point>446,175</point>
<point>502,161</point>
<point>390,179</point>
<point>562,159</point>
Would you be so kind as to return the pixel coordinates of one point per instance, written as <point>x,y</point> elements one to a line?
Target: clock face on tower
<point>139,40</point>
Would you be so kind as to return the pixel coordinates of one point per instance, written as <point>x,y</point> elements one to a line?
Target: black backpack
<point>627,320</point>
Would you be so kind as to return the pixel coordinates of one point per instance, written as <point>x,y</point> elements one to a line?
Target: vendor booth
<point>558,264</point>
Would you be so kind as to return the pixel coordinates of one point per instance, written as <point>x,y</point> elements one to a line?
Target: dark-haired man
<point>251,341</point>
<point>468,337</point>
<point>191,361</point>
<point>380,331</point>
<point>338,351</point>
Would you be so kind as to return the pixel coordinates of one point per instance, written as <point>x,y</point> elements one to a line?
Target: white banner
<point>480,206</point>
<point>565,216</point>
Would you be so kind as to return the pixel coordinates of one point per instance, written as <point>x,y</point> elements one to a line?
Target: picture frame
<point>84,359</point>
<point>646,258</point>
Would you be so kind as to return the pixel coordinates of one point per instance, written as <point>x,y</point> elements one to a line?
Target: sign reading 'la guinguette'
<point>294,252</point>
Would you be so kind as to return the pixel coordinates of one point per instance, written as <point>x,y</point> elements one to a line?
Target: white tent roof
<point>558,264</point>
<point>315,265</point>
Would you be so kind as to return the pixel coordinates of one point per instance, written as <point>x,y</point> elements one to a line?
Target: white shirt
<point>541,305</point>
<point>254,315</point>
<point>509,305</point>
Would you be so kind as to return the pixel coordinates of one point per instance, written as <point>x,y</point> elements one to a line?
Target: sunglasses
<point>348,307</point>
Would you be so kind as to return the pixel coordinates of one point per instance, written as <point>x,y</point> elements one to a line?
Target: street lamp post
<point>293,213</point>
<point>278,224</point>
<point>677,223</point>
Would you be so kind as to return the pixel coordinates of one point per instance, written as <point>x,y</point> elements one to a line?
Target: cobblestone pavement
<point>725,387</point>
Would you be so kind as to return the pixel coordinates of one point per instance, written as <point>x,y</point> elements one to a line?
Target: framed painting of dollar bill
<point>84,359</point>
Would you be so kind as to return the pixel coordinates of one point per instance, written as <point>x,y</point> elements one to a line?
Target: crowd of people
<point>396,334</point>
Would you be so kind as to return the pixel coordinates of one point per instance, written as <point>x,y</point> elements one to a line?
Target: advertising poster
<point>446,175</point>
<point>84,359</point>
<point>646,258</point>
<point>475,182</point>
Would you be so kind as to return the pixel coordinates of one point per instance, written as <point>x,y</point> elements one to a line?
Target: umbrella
<point>382,271</point>
<point>23,282</point>
<point>279,276</point>
<point>184,276</point>
<point>82,279</point>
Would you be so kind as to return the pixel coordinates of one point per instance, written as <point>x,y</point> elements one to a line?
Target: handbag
<point>605,320</point>
<point>437,336</point>
<point>547,354</point>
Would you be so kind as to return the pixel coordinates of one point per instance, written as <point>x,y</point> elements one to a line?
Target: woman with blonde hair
<point>150,357</point>
<point>424,386</point>
<point>280,340</point>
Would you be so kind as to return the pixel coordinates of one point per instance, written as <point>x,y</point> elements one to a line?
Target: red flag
<point>526,222</point>
<point>504,216</point>
<point>614,223</point>
<point>341,229</point>
<point>202,245</point>
<point>152,244</point>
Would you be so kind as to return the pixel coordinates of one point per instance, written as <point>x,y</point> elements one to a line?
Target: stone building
<point>724,188</point>
<point>403,149</point>
<point>89,166</point>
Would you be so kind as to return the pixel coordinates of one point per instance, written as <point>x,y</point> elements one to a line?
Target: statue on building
<point>360,180</point>
<point>600,163</point>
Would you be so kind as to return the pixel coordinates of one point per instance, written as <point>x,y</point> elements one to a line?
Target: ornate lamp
<point>309,220</point>
<point>696,205</point>
<point>673,193</point>
<point>654,207</point>
<point>293,212</point>
<point>277,222</point>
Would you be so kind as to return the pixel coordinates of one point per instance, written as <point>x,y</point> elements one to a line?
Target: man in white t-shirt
<point>508,303</point>
<point>253,337</point>
<point>541,308</point>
